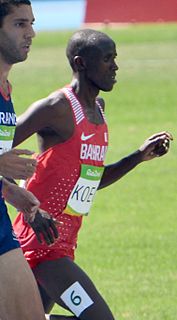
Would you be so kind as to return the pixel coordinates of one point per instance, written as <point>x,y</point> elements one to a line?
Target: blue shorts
<point>8,240</point>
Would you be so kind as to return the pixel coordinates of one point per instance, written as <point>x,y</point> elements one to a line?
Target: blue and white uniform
<point>8,240</point>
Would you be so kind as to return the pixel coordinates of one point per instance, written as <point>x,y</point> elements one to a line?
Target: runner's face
<point>102,67</point>
<point>16,35</point>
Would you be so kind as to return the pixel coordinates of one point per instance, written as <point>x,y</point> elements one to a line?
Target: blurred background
<point>58,14</point>
<point>69,14</point>
<point>128,242</point>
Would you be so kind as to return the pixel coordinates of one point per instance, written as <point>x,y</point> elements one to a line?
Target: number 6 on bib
<point>76,298</point>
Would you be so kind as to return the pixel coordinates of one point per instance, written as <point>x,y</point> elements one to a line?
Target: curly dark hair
<point>6,7</point>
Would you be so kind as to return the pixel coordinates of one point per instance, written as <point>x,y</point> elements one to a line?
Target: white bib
<point>81,198</point>
<point>6,138</point>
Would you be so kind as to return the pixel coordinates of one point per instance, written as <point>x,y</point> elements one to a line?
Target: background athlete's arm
<point>12,165</point>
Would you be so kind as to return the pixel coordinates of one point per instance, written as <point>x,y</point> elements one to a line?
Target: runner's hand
<point>20,198</point>
<point>44,227</point>
<point>16,167</point>
<point>156,146</point>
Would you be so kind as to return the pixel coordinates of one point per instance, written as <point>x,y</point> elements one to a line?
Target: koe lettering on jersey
<point>81,198</point>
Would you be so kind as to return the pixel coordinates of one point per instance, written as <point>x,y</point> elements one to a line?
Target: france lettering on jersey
<point>7,124</point>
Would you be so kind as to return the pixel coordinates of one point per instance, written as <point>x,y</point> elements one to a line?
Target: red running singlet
<point>57,173</point>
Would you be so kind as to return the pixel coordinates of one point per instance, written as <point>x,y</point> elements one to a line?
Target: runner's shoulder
<point>57,101</point>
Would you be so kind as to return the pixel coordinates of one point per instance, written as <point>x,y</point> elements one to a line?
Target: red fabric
<point>57,171</point>
<point>120,11</point>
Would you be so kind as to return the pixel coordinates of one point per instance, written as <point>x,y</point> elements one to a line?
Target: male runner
<point>73,140</point>
<point>19,296</point>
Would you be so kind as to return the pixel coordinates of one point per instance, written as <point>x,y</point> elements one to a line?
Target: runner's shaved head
<point>85,43</point>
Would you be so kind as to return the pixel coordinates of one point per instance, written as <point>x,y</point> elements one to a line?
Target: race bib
<point>81,198</point>
<point>76,298</point>
<point>6,138</point>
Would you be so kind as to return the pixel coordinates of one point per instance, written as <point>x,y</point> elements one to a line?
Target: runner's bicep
<point>31,121</point>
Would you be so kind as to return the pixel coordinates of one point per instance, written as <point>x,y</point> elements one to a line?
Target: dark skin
<point>50,116</point>
<point>52,126</point>
<point>52,119</point>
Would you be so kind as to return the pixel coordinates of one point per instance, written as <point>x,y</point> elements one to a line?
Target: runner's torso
<point>7,123</point>
<point>58,171</point>
<point>8,240</point>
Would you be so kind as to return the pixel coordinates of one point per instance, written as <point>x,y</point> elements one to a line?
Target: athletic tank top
<point>58,171</point>
<point>7,123</point>
<point>8,240</point>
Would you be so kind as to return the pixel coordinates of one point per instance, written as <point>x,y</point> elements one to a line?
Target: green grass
<point>128,243</point>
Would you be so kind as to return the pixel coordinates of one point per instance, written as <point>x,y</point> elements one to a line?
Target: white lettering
<point>97,153</point>
<point>93,152</point>
<point>2,117</point>
<point>90,152</point>
<point>94,173</point>
<point>102,154</point>
<point>106,137</point>
<point>83,151</point>
<point>7,118</point>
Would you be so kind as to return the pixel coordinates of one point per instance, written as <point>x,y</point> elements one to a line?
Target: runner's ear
<point>79,63</point>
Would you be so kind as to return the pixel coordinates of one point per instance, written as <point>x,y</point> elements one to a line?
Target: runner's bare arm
<point>31,121</point>
<point>49,112</point>
<point>155,146</point>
